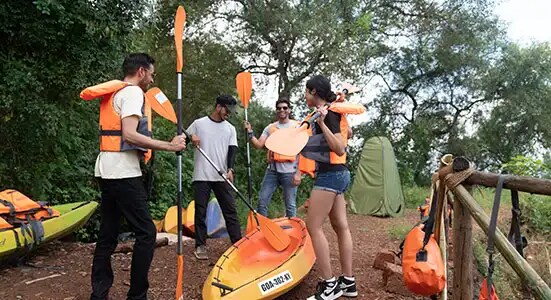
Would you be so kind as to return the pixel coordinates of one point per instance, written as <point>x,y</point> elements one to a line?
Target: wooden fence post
<point>462,252</point>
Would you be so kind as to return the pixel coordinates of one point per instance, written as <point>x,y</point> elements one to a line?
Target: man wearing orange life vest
<point>125,130</point>
<point>325,158</point>
<point>281,170</point>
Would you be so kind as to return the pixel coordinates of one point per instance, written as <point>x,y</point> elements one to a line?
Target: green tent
<point>377,189</point>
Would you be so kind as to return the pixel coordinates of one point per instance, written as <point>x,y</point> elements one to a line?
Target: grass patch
<point>399,231</point>
<point>506,281</point>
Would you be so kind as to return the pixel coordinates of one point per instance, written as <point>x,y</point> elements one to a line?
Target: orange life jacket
<point>110,122</point>
<point>4,224</point>
<point>307,165</point>
<point>16,207</point>
<point>276,157</point>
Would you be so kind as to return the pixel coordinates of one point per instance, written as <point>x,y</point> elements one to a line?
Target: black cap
<point>227,101</point>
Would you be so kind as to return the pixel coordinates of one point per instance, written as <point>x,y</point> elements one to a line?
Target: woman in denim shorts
<point>327,197</point>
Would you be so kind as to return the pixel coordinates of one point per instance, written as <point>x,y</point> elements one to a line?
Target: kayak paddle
<point>244,85</point>
<point>179,23</point>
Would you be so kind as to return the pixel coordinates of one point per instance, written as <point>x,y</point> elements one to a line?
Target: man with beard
<point>125,137</point>
<point>281,170</point>
<point>218,139</point>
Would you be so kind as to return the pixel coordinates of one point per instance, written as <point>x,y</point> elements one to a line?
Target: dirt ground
<point>72,262</point>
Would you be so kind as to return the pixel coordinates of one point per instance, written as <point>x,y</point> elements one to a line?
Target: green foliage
<point>50,50</point>
<point>536,213</point>
<point>527,166</point>
<point>399,232</point>
<point>414,196</point>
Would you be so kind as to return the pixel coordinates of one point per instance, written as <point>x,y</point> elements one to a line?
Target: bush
<point>415,195</point>
<point>536,213</point>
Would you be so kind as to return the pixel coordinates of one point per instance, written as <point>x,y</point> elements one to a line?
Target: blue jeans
<point>333,181</point>
<point>271,181</point>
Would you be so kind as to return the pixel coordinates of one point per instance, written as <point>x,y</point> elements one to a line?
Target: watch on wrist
<point>230,170</point>
<point>250,135</point>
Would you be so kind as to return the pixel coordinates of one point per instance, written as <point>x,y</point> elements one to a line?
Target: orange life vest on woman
<point>110,122</point>
<point>307,165</point>
<point>276,157</point>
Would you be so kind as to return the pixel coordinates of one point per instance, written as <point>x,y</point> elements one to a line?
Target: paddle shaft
<point>221,173</point>
<point>249,180</point>
<point>179,166</point>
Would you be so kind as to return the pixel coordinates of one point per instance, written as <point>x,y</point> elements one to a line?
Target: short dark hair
<point>322,85</point>
<point>134,61</point>
<point>283,100</point>
<point>225,100</point>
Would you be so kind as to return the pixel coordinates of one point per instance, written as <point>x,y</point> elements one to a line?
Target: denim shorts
<point>334,181</point>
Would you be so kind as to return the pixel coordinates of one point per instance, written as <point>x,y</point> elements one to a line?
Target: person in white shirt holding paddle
<point>218,139</point>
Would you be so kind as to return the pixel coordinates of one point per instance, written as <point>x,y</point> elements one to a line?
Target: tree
<point>519,123</point>
<point>433,58</point>
<point>294,39</point>
<point>50,51</point>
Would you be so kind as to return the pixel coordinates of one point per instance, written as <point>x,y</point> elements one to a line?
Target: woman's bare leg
<point>339,222</point>
<point>321,203</point>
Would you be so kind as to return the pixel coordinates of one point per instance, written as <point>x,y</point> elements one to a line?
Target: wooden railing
<point>465,209</point>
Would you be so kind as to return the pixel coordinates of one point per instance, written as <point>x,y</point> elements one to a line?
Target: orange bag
<point>484,292</point>
<point>422,265</point>
<point>423,269</point>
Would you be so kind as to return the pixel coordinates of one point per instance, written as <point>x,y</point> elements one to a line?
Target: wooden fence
<point>458,178</point>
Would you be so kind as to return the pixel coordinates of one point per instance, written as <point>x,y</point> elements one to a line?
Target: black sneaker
<point>327,291</point>
<point>348,287</point>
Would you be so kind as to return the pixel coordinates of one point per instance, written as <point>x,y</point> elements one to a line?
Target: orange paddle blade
<point>244,85</point>
<point>179,23</point>
<point>274,234</point>
<point>288,141</point>
<point>251,223</point>
<point>160,104</point>
<point>180,278</point>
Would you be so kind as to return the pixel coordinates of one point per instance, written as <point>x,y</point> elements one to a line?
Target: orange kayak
<point>252,269</point>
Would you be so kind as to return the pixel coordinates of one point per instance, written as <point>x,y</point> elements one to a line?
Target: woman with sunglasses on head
<point>325,158</point>
<point>281,170</point>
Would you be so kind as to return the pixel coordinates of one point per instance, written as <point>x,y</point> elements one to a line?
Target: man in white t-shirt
<point>217,137</point>
<point>120,179</point>
<point>281,170</point>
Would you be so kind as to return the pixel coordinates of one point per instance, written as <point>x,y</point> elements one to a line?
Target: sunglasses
<point>282,108</point>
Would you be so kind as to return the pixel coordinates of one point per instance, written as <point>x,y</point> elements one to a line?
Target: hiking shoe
<point>201,252</point>
<point>348,287</point>
<point>327,290</point>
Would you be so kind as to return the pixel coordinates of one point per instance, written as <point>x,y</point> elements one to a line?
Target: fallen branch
<point>126,248</point>
<point>42,278</point>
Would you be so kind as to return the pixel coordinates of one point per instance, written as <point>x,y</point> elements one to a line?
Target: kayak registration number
<point>271,284</point>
